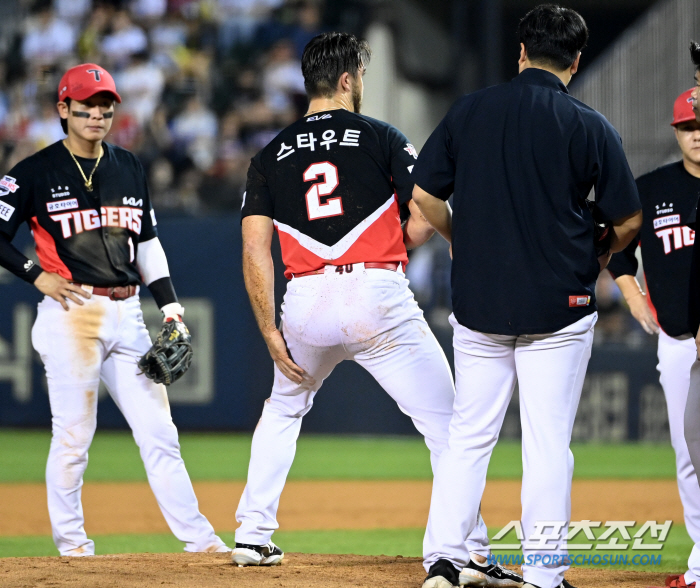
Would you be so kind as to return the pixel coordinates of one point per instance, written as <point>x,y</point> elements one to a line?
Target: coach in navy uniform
<point>521,159</point>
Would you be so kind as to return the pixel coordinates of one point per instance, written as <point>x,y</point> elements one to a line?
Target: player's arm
<point>623,268</point>
<point>616,194</point>
<point>155,274</point>
<point>15,208</point>
<point>417,230</point>
<point>436,211</point>
<point>259,276</point>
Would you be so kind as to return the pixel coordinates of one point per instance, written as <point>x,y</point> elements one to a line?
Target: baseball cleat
<point>442,574</point>
<point>490,575</point>
<point>257,555</point>
<point>676,581</point>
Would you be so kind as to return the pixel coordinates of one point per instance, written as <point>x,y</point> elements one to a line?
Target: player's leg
<point>145,406</point>
<point>692,435</point>
<point>485,379</point>
<point>676,357</point>
<point>310,331</point>
<point>551,369</point>
<point>408,362</point>
<point>70,347</point>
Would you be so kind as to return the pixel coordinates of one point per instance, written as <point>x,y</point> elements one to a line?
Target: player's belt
<point>114,292</point>
<point>389,265</point>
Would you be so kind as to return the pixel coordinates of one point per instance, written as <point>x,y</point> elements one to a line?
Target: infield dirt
<point>120,508</point>
<point>215,570</point>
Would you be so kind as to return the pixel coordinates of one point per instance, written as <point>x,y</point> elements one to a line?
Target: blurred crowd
<point>204,84</point>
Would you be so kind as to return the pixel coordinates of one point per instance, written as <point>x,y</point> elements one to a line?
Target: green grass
<point>224,456</point>
<point>405,542</point>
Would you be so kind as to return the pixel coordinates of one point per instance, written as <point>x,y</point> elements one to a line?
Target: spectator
<point>150,10</point>
<point>72,11</point>
<point>141,85</point>
<point>282,79</point>
<point>46,128</point>
<point>48,39</point>
<point>307,27</point>
<point>125,40</point>
<point>239,20</point>
<point>194,133</point>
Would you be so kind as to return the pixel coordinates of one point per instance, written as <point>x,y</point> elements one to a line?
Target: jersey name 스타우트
<point>333,183</point>
<point>86,237</point>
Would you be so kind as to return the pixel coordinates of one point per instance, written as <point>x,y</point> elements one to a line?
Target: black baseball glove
<point>602,231</point>
<point>170,356</point>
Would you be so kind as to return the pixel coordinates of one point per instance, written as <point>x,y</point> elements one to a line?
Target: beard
<point>356,98</point>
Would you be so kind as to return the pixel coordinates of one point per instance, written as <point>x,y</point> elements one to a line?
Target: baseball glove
<point>602,231</point>
<point>170,356</point>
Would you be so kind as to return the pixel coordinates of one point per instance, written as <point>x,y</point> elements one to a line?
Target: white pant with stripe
<point>368,316</point>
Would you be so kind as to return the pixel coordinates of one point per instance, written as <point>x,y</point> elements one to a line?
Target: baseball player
<point>88,207</point>
<point>692,407</point>
<point>669,197</point>
<point>335,185</point>
<point>521,159</point>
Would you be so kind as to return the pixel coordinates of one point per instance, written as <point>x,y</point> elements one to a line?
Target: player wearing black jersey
<point>87,204</point>
<point>335,185</point>
<point>669,196</point>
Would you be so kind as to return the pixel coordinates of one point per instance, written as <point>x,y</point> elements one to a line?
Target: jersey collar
<point>540,77</point>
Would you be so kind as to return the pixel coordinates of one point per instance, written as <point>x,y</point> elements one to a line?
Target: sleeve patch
<point>8,184</point>
<point>6,211</point>
<point>411,150</point>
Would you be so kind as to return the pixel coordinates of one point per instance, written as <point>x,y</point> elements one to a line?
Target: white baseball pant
<point>550,370</point>
<point>678,356</point>
<point>368,316</point>
<point>103,339</point>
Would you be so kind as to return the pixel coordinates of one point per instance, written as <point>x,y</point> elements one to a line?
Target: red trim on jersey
<point>46,250</point>
<point>649,302</point>
<point>382,241</point>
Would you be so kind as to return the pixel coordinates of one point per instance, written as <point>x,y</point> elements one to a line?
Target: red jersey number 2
<point>332,206</point>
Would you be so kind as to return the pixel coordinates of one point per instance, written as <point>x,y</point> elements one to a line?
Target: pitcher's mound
<point>216,570</point>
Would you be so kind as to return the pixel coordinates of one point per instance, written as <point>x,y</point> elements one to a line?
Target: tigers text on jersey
<point>669,196</point>
<point>333,183</point>
<point>86,237</point>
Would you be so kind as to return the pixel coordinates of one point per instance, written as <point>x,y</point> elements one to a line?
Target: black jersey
<point>521,159</point>
<point>669,196</point>
<point>333,182</point>
<point>86,237</point>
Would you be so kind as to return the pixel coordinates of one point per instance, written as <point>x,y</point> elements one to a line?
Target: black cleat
<point>257,555</point>
<point>442,574</point>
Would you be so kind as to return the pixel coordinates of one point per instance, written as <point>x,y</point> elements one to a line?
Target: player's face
<point>688,136</point>
<point>358,89</point>
<point>90,119</point>
<point>695,95</point>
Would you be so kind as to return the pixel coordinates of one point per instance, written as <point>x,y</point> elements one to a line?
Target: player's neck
<point>691,167</point>
<point>339,101</point>
<point>82,147</point>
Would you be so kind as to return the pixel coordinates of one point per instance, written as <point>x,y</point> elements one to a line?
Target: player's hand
<point>641,311</point>
<point>60,289</point>
<point>280,355</point>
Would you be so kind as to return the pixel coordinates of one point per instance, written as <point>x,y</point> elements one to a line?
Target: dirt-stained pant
<point>368,316</point>
<point>550,371</point>
<point>103,340</point>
